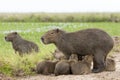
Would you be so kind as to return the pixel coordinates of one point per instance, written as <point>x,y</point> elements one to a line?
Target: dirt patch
<point>3,77</point>
<point>114,75</point>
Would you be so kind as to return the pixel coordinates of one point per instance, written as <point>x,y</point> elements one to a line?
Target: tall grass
<point>13,64</point>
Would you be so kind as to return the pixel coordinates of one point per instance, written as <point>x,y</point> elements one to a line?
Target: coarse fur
<point>94,42</point>
<point>21,45</point>
<point>110,65</point>
<point>46,67</point>
<point>81,67</point>
<point>58,55</point>
<point>74,57</point>
<point>62,68</point>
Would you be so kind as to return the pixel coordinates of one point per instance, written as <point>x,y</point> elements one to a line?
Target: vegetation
<point>59,17</point>
<point>13,64</point>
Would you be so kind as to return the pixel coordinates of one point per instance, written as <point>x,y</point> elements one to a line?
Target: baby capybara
<point>81,67</point>
<point>73,57</point>
<point>62,68</point>
<point>94,42</point>
<point>58,55</point>
<point>21,45</point>
<point>46,67</point>
<point>110,65</point>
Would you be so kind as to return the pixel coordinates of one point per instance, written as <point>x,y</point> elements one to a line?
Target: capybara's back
<point>21,45</point>
<point>82,67</point>
<point>40,67</point>
<point>46,67</point>
<point>62,68</point>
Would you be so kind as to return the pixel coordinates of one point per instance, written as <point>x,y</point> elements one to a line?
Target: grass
<point>11,63</point>
<point>60,17</point>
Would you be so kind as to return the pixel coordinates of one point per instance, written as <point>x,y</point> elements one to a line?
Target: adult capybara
<point>81,67</point>
<point>84,42</point>
<point>46,67</point>
<point>110,65</point>
<point>62,68</point>
<point>21,45</point>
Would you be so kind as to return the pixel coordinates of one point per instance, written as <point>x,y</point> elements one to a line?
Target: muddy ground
<point>114,75</point>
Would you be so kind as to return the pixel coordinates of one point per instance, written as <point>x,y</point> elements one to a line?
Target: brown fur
<point>62,68</point>
<point>74,57</point>
<point>46,67</point>
<point>81,67</point>
<point>94,42</point>
<point>110,65</point>
<point>58,55</point>
<point>21,45</point>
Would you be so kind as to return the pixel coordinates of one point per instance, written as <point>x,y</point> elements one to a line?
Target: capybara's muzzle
<point>42,39</point>
<point>6,39</point>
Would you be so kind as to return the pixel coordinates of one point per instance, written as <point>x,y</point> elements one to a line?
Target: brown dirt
<point>3,77</point>
<point>114,75</point>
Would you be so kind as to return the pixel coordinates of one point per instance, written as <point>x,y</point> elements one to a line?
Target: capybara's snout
<point>6,38</point>
<point>42,39</point>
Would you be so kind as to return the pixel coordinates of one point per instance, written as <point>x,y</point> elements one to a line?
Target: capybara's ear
<point>57,30</point>
<point>15,33</point>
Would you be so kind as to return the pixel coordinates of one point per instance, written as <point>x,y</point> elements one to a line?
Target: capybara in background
<point>110,65</point>
<point>62,68</point>
<point>58,55</point>
<point>46,67</point>
<point>81,67</point>
<point>21,45</point>
<point>94,42</point>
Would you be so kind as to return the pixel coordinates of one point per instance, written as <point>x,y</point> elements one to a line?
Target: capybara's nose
<point>5,38</point>
<point>42,39</point>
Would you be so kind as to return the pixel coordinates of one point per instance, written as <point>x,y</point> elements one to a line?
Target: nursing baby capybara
<point>94,42</point>
<point>58,55</point>
<point>74,57</point>
<point>81,67</point>
<point>62,68</point>
<point>110,64</point>
<point>46,67</point>
<point>21,45</point>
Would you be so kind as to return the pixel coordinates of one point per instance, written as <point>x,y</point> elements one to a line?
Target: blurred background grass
<point>59,17</point>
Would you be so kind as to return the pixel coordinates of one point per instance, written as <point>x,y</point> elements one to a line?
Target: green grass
<point>11,63</point>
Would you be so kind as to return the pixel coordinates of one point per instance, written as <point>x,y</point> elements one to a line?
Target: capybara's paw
<point>97,70</point>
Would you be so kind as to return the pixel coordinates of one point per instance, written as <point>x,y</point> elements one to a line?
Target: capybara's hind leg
<point>99,62</point>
